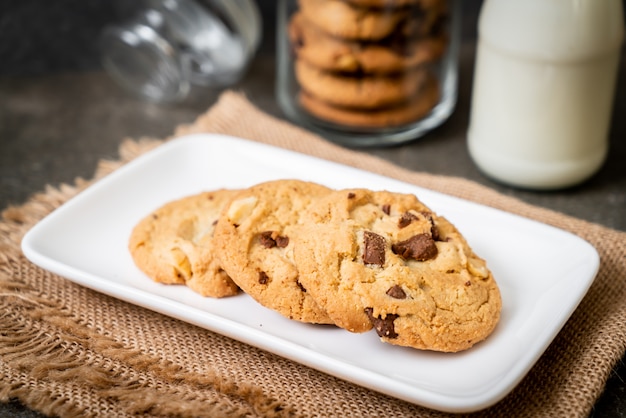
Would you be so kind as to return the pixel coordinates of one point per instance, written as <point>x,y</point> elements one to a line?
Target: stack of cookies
<point>366,63</point>
<point>355,258</point>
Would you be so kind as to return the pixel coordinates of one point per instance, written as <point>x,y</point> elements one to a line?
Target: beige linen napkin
<point>68,351</point>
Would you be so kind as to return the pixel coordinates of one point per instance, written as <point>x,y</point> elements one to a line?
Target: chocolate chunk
<point>387,209</point>
<point>374,249</point>
<point>396,292</point>
<point>281,241</point>
<point>420,247</point>
<point>270,239</point>
<point>351,195</point>
<point>434,231</point>
<point>406,219</point>
<point>263,277</point>
<point>383,326</point>
<point>266,239</point>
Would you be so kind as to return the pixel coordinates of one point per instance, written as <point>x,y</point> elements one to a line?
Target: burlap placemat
<point>68,351</point>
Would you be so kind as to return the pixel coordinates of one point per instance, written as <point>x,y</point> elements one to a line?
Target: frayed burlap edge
<point>54,363</point>
<point>571,375</point>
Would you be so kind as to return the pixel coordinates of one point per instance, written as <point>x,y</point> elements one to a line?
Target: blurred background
<point>38,37</point>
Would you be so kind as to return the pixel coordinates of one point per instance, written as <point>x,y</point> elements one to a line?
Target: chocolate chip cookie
<point>255,239</point>
<point>348,20</point>
<point>368,64</point>
<point>344,20</point>
<point>330,53</point>
<point>382,260</point>
<point>396,115</point>
<point>426,4</point>
<point>174,244</point>
<point>359,92</point>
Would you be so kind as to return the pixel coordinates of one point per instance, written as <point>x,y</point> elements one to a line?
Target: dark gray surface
<point>59,117</point>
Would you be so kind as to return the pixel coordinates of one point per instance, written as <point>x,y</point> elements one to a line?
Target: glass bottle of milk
<point>543,89</point>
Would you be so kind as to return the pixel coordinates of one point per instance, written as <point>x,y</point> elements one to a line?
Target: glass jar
<point>170,45</point>
<point>368,72</point>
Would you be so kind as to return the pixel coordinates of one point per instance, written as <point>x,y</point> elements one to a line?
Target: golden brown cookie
<point>384,260</point>
<point>366,92</point>
<point>330,53</point>
<point>341,19</point>
<point>174,244</point>
<point>352,21</point>
<point>255,238</point>
<point>425,4</point>
<point>411,111</point>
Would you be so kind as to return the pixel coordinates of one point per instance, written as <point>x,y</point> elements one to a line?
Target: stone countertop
<point>55,127</point>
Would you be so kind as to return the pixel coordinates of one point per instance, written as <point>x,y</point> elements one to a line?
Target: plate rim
<point>172,308</point>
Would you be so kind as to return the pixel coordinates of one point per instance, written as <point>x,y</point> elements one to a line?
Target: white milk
<point>543,89</point>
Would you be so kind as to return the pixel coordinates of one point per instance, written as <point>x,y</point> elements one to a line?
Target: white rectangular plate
<point>543,272</point>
